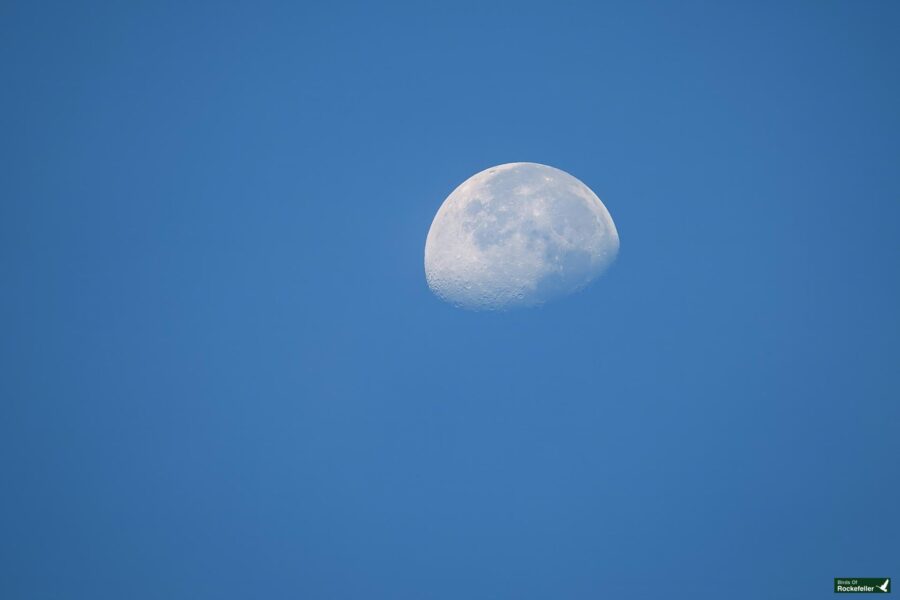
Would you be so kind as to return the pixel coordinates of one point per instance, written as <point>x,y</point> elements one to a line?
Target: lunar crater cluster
<point>515,235</point>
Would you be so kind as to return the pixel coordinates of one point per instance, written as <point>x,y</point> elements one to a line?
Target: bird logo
<point>884,586</point>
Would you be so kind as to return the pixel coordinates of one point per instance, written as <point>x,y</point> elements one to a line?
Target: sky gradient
<point>222,374</point>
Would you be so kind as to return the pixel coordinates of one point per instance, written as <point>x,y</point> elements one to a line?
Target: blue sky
<point>222,374</point>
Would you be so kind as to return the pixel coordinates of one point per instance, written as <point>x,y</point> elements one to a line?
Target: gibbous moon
<point>518,234</point>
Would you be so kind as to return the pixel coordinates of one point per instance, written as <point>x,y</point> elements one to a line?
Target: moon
<point>517,235</point>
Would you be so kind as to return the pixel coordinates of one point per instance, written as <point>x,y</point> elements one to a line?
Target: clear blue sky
<point>222,374</point>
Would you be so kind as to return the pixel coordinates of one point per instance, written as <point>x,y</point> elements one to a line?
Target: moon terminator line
<point>516,235</point>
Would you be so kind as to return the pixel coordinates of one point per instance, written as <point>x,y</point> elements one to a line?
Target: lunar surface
<point>518,234</point>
